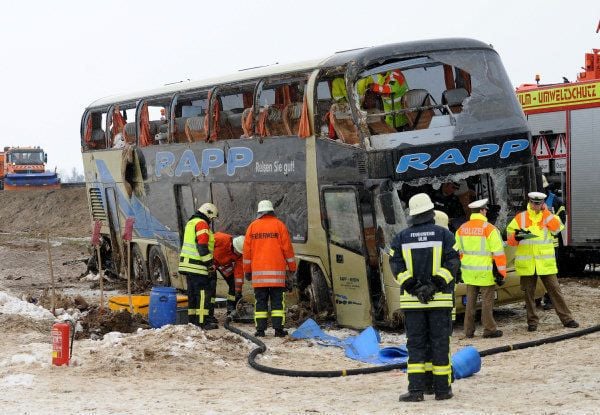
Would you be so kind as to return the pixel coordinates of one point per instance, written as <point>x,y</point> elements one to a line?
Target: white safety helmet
<point>544,182</point>
<point>419,203</point>
<point>238,244</point>
<point>440,218</point>
<point>209,210</point>
<point>264,206</point>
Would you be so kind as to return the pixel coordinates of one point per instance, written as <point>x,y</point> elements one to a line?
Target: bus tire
<point>318,291</point>
<point>157,267</point>
<point>139,268</point>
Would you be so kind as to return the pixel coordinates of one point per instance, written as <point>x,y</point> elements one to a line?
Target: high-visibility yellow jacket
<point>477,242</point>
<point>535,255</point>
<point>190,260</point>
<point>392,86</point>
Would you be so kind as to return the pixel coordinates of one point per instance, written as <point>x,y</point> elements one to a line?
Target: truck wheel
<point>139,270</point>
<point>157,267</point>
<point>318,291</point>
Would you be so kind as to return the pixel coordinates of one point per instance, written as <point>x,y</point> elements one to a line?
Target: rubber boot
<point>412,397</point>
<point>444,395</point>
<point>208,325</point>
<point>260,333</point>
<point>280,333</point>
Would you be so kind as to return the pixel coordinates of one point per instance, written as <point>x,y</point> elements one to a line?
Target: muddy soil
<point>183,370</point>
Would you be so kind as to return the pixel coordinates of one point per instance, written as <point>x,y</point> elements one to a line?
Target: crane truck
<point>564,120</point>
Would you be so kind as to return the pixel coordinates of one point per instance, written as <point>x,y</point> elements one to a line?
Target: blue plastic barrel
<point>466,362</point>
<point>163,306</point>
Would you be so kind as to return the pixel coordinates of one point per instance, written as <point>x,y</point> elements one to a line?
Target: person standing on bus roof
<point>478,242</point>
<point>425,264</point>
<point>531,232</point>
<point>196,263</point>
<point>228,261</point>
<point>269,262</point>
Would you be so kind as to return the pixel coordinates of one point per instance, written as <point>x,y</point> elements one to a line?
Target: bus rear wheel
<point>157,267</point>
<point>318,291</point>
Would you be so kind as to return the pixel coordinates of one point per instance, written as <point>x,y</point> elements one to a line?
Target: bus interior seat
<point>419,118</point>
<point>343,124</point>
<point>247,122</point>
<point>454,98</point>
<point>179,135</point>
<point>98,139</point>
<point>377,124</point>
<point>373,104</point>
<point>273,120</point>
<point>234,118</point>
<point>194,129</point>
<point>291,117</point>
<point>129,132</point>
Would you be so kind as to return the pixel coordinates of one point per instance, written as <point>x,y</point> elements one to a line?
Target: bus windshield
<point>437,97</point>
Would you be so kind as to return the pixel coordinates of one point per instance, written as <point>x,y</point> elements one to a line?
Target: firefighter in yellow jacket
<point>531,231</point>
<point>196,263</point>
<point>478,242</point>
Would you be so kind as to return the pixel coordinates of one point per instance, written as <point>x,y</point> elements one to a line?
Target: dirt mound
<point>18,323</point>
<point>97,323</point>
<point>64,212</point>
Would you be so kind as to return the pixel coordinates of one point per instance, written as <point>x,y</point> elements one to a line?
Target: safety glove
<point>440,283</point>
<point>499,279</point>
<point>520,234</point>
<point>248,276</point>
<point>425,293</point>
<point>410,285</point>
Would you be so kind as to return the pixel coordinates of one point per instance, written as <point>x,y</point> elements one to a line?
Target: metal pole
<point>100,274</point>
<point>129,276</point>
<point>52,298</point>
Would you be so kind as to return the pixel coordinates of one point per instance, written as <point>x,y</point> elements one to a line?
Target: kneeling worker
<point>477,242</point>
<point>425,263</point>
<point>228,261</point>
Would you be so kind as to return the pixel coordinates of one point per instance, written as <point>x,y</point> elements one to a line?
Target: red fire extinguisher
<point>60,344</point>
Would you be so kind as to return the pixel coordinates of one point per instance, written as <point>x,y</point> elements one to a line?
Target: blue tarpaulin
<point>364,347</point>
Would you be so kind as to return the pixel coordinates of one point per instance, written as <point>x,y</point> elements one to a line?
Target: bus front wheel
<point>157,267</point>
<point>318,291</point>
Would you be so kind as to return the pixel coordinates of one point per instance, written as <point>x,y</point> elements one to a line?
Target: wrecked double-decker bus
<point>338,145</point>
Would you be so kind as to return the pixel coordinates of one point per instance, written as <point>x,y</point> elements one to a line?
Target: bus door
<point>115,231</point>
<point>348,257</point>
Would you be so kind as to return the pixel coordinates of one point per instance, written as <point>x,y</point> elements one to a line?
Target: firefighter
<point>425,263</point>
<point>269,263</point>
<point>196,263</point>
<point>392,86</point>
<point>531,232</point>
<point>228,261</point>
<point>446,200</point>
<point>477,242</point>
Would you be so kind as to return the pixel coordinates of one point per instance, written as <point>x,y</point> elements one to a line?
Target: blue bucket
<point>466,362</point>
<point>163,306</point>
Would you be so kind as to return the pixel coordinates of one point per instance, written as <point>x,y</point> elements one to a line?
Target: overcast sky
<point>58,56</point>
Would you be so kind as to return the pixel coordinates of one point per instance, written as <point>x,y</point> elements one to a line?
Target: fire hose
<point>262,348</point>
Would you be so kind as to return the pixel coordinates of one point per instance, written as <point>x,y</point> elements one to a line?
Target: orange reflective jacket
<point>227,261</point>
<point>268,252</point>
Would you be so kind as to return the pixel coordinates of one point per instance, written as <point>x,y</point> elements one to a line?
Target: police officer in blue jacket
<point>425,264</point>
